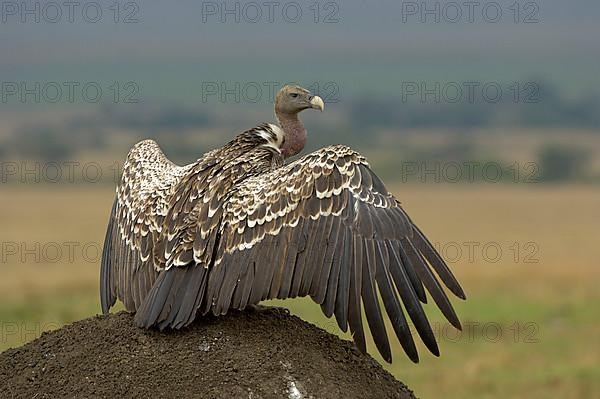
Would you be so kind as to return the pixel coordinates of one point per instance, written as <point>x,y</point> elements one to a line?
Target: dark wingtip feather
<point>410,300</point>
<point>439,265</point>
<point>354,299</point>
<point>343,290</point>
<point>392,304</point>
<point>429,280</point>
<point>107,298</point>
<point>412,276</point>
<point>371,302</point>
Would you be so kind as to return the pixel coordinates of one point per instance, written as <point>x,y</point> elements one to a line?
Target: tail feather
<point>174,298</point>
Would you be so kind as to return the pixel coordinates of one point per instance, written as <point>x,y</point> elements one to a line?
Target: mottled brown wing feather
<point>127,267</point>
<point>326,226</point>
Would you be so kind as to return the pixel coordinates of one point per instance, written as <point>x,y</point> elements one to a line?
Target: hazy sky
<point>360,44</point>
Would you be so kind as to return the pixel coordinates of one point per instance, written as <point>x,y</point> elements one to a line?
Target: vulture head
<point>291,100</point>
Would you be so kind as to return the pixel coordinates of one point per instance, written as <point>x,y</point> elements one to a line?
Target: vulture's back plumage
<point>239,226</point>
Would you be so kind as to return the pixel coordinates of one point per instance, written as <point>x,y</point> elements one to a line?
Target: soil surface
<point>251,354</point>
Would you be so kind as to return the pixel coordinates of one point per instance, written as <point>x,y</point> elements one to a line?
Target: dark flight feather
<point>371,302</point>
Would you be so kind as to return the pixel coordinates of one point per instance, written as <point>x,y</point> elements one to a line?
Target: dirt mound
<point>251,354</point>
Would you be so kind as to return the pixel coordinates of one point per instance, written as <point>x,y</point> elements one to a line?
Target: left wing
<point>327,227</point>
<point>128,269</point>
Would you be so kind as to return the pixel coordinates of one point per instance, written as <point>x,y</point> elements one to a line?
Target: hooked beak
<point>316,102</point>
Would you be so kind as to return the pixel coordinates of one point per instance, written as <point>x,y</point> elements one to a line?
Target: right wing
<point>327,227</point>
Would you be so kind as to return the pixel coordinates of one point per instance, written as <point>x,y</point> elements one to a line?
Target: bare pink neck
<point>295,134</point>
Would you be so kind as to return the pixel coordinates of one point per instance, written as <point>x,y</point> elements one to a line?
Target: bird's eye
<point>293,95</point>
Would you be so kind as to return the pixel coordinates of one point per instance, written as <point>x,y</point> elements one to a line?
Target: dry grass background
<point>546,312</point>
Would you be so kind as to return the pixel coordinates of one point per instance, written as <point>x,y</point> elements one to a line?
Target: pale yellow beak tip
<point>317,103</point>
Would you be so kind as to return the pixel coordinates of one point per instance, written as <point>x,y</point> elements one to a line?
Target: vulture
<point>240,225</point>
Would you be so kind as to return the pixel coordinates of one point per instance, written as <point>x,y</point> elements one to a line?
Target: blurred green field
<point>531,326</point>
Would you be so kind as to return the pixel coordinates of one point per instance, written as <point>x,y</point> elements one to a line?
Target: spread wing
<point>327,227</point>
<point>141,204</point>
